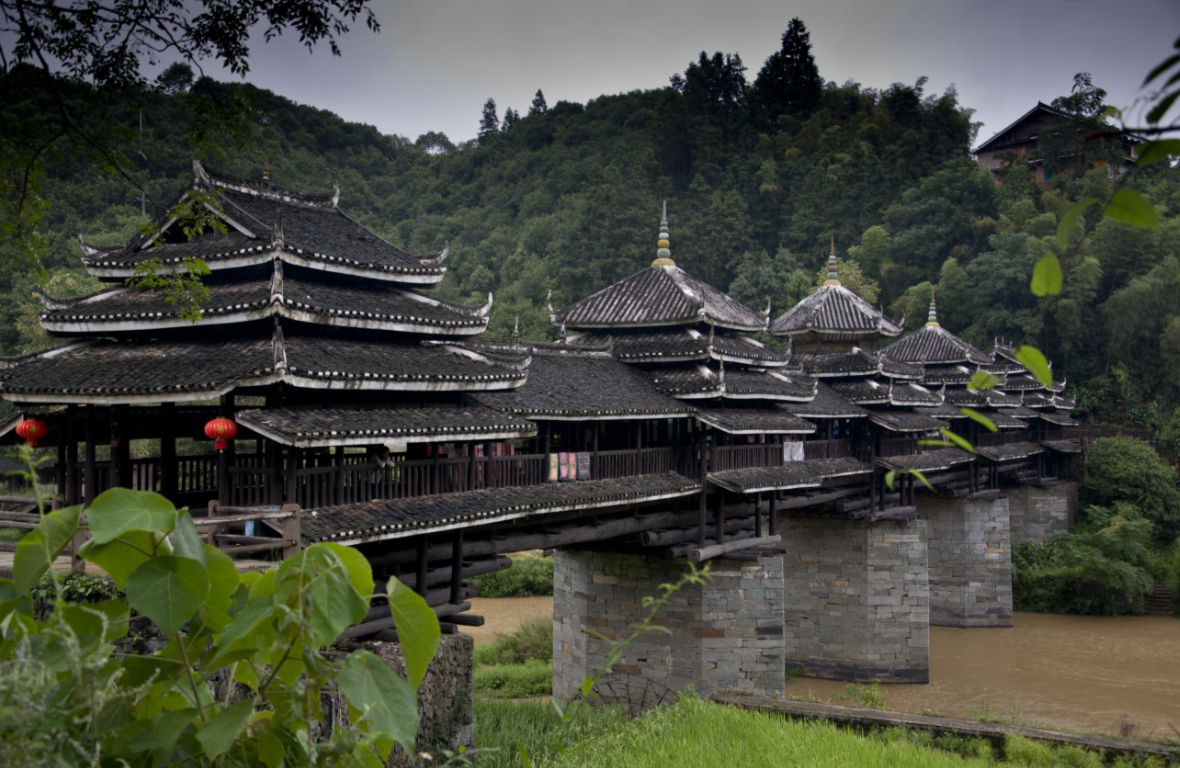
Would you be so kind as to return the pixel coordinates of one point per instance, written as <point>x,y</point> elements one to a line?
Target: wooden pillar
<point>758,516</point>
<point>91,464</point>
<point>872,492</point>
<point>225,458</point>
<point>594,449</point>
<point>720,516</point>
<point>772,514</point>
<point>71,438</point>
<point>120,450</point>
<point>456,567</point>
<point>339,461</point>
<point>292,479</point>
<point>61,469</point>
<point>274,477</point>
<point>420,562</point>
<point>169,480</point>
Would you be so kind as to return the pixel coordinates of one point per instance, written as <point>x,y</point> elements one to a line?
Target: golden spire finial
<point>832,278</point>
<point>663,254</point>
<point>932,318</point>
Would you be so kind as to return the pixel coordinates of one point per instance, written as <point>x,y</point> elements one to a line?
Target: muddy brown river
<point>1078,672</point>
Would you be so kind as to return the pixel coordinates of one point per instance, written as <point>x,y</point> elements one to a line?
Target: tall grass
<point>504,726</point>
<point>515,681</point>
<point>532,639</point>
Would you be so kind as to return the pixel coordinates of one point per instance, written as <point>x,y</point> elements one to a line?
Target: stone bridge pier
<point>857,598</point>
<point>725,635</point>
<point>970,553</point>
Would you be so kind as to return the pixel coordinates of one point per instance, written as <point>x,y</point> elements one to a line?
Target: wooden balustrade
<point>827,449</point>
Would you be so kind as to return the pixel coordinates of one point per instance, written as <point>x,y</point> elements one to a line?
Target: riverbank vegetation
<point>1125,540</point>
<point>695,733</point>
<point>519,663</point>
<point>531,575</point>
<point>566,198</point>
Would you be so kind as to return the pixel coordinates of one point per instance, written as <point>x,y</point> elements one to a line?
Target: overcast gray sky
<point>435,62</point>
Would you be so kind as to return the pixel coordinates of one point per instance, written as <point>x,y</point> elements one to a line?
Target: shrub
<point>531,641</point>
<point>515,681</point>
<point>529,576</point>
<point>1125,469</point>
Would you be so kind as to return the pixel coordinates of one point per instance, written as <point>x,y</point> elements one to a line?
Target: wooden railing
<point>726,457</point>
<point>827,449</point>
<point>1004,437</point>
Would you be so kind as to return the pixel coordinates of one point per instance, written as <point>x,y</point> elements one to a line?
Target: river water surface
<point>1079,672</point>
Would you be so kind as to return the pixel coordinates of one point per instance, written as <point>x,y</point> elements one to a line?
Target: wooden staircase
<point>1158,602</point>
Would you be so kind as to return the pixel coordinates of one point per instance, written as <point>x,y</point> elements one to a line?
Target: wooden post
<point>339,457</point>
<point>773,514</point>
<point>704,489</point>
<point>292,530</point>
<point>116,463</point>
<point>594,460</point>
<point>169,480</point>
<point>292,479</point>
<point>274,460</point>
<point>720,516</point>
<point>456,568</point>
<point>758,516</point>
<point>60,470</point>
<point>420,584</point>
<point>873,491</point>
<point>91,478</point>
<point>71,456</point>
<point>224,484</point>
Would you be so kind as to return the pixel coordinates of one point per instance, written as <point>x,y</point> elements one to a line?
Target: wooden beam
<point>702,554</point>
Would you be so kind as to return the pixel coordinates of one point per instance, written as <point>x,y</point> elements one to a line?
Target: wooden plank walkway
<point>862,719</point>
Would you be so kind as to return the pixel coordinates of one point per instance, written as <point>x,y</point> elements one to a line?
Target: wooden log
<point>18,500</point>
<point>986,494</point>
<point>678,535</point>
<point>442,576</point>
<point>855,504</point>
<point>466,619</point>
<point>18,525</point>
<point>433,598</point>
<point>250,549</point>
<point>233,538</point>
<point>386,622</point>
<point>244,518</point>
<point>699,555</point>
<point>795,502</point>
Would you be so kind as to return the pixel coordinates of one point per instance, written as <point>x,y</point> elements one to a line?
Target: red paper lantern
<point>32,430</point>
<point>221,431</point>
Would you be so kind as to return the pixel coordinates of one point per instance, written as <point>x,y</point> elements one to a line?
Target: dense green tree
<point>511,117</point>
<point>489,121</point>
<point>176,78</point>
<point>1124,469</point>
<point>789,81</point>
<point>538,107</point>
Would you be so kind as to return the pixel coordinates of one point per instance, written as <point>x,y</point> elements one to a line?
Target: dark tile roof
<point>685,381</point>
<point>899,369</point>
<point>1009,451</point>
<point>834,313</point>
<point>110,371</point>
<point>1035,399</point>
<point>578,385</point>
<point>684,345</point>
<point>927,460</point>
<point>832,364</point>
<point>1005,420</point>
<point>905,421</point>
<point>935,344</point>
<point>826,405</point>
<point>659,295</point>
<point>1063,446</point>
<point>1060,418</point>
<point>948,374</point>
<point>391,519</point>
<point>172,371</point>
<point>863,392</point>
<point>944,411</point>
<point>1021,412</point>
<point>366,304</point>
<point>793,474</point>
<point>1023,381</point>
<point>307,229</point>
<point>997,398</point>
<point>752,421</point>
<point>966,397</point>
<point>769,385</point>
<point>909,393</point>
<point>310,427</point>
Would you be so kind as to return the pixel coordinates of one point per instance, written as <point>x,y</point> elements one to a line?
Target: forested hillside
<point>760,169</point>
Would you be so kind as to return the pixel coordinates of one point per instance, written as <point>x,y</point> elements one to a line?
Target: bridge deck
<point>794,474</point>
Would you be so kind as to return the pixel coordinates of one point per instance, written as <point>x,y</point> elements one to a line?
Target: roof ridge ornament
<point>276,283</point>
<point>437,261</point>
<point>277,230</point>
<point>335,192</point>
<point>663,245</point>
<point>549,304</point>
<point>832,279</point>
<point>88,250</point>
<point>516,327</point>
<point>280,348</point>
<point>200,175</point>
<point>932,316</point>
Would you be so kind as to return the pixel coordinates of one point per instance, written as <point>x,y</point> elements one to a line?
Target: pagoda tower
<point>314,337</point>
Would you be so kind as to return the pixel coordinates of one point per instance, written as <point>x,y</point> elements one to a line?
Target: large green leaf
<point>120,510</point>
<point>1153,151</point>
<point>120,558</point>
<point>359,570</point>
<point>979,418</point>
<point>1069,220</point>
<point>187,541</point>
<point>1046,278</point>
<point>240,635</point>
<point>1032,359</point>
<point>219,734</point>
<point>957,440</point>
<point>41,546</point>
<point>417,629</point>
<point>319,576</point>
<point>385,702</point>
<point>981,380</point>
<point>168,590</point>
<point>223,577</point>
<point>1130,207</point>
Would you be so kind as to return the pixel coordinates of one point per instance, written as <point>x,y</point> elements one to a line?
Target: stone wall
<point>725,635</point>
<point>857,599</point>
<point>970,553</point>
<point>1039,511</point>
